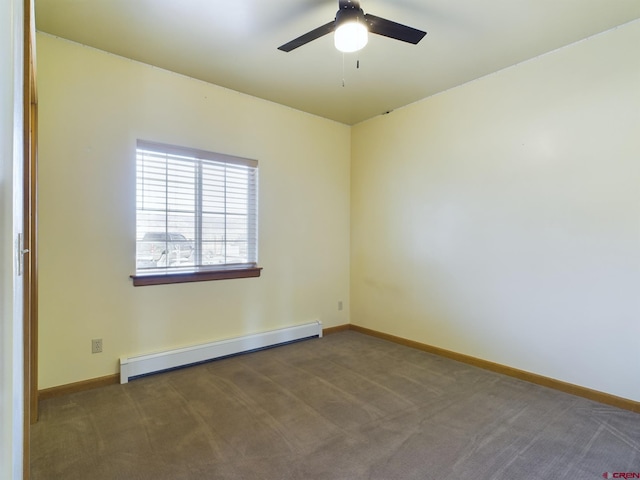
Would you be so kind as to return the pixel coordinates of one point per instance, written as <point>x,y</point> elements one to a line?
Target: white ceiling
<point>233,43</point>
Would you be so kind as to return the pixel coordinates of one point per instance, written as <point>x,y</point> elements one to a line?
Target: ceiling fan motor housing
<point>350,13</point>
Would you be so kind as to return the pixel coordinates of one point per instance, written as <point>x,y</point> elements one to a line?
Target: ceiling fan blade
<point>308,37</point>
<point>390,29</point>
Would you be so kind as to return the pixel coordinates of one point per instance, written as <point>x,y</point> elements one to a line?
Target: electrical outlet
<point>340,305</point>
<point>96,345</point>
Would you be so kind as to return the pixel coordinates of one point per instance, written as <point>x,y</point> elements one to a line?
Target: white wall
<point>11,157</point>
<point>500,219</point>
<point>92,108</point>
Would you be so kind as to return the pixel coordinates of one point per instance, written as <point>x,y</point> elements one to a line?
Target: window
<point>196,215</point>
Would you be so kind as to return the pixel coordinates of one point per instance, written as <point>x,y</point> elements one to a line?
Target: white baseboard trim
<point>135,366</point>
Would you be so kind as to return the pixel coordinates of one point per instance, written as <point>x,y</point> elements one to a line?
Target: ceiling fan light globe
<point>351,37</point>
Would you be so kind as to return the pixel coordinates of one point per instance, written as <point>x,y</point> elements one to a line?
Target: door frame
<point>30,277</point>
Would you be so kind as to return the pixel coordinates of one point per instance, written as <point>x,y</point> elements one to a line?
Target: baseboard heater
<point>131,367</point>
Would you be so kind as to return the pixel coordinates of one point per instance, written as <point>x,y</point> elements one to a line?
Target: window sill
<point>165,278</point>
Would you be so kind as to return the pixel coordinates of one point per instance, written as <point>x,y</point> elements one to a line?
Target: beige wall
<point>93,107</point>
<point>500,219</point>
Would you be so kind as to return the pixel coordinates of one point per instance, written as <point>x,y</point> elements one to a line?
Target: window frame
<point>197,273</point>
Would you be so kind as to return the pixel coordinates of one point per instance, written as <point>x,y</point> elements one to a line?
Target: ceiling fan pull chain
<point>343,69</point>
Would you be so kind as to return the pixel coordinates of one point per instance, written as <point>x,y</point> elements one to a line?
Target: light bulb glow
<point>351,37</point>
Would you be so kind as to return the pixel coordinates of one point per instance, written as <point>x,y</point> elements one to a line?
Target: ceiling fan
<point>351,26</point>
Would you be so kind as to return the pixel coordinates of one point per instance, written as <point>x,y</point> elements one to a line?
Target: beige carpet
<point>347,406</point>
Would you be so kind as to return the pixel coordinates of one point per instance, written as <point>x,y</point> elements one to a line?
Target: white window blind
<point>194,210</point>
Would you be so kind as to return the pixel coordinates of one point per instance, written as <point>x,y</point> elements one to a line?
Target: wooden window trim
<point>164,278</point>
